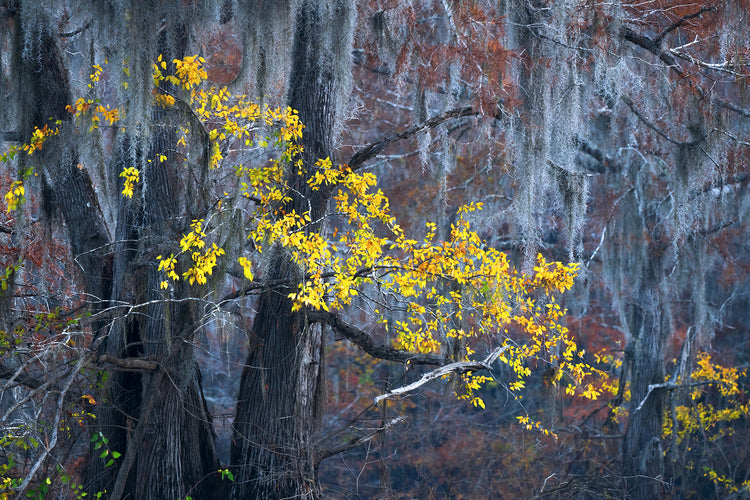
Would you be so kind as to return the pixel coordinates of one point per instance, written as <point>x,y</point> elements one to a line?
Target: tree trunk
<point>278,407</point>
<point>643,457</point>
<point>647,317</point>
<point>158,422</point>
<point>160,419</point>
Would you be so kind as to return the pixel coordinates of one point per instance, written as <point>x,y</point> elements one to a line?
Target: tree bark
<point>643,457</point>
<point>279,403</point>
<point>160,419</point>
<point>647,321</point>
<point>176,456</point>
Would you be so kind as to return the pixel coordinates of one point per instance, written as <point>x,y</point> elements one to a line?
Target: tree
<point>584,119</point>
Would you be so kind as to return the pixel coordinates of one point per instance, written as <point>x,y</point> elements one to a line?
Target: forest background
<point>175,322</point>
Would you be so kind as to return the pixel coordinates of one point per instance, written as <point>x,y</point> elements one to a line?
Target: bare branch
<point>669,386</point>
<point>652,46</point>
<point>627,100</point>
<point>55,425</point>
<point>353,443</point>
<point>18,377</point>
<point>457,367</point>
<point>683,20</point>
<point>69,34</point>
<point>128,364</point>
<point>732,107</point>
<point>373,149</point>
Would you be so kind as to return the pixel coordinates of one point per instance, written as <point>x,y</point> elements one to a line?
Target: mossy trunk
<point>643,454</point>
<point>158,421</point>
<point>278,407</point>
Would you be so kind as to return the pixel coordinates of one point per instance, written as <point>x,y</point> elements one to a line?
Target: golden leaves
<point>189,70</point>
<point>15,196</point>
<point>713,401</point>
<point>247,267</point>
<point>96,112</point>
<point>167,266</point>
<point>203,262</point>
<point>163,100</point>
<point>458,289</point>
<point>132,176</point>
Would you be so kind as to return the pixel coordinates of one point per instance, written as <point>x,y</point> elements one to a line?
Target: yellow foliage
<point>484,296</point>
<point>132,176</point>
<point>701,413</point>
<point>94,112</point>
<point>247,267</point>
<point>14,198</point>
<point>709,412</point>
<point>164,100</point>
<point>189,71</point>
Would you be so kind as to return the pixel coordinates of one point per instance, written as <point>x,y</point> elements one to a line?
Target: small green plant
<point>226,474</point>
<point>40,492</point>
<point>101,442</point>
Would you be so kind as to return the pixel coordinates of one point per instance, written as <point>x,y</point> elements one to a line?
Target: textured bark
<point>643,456</point>
<point>648,326</point>
<point>164,426</point>
<point>43,92</point>
<point>177,450</point>
<point>279,400</point>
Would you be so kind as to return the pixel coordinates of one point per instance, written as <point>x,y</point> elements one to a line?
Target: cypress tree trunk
<point>648,326</point>
<point>643,457</point>
<point>157,421</point>
<point>278,408</point>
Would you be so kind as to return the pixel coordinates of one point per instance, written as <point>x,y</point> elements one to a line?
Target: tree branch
<point>128,364</point>
<point>48,447</point>
<point>367,344</point>
<point>669,386</point>
<point>627,100</point>
<point>68,34</point>
<point>457,367</point>
<point>19,378</point>
<point>652,46</point>
<point>354,442</point>
<point>373,149</point>
<point>732,107</point>
<point>683,20</point>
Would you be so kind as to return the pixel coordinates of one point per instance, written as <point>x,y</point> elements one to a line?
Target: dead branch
<point>353,443</point>
<point>457,367</point>
<point>128,364</point>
